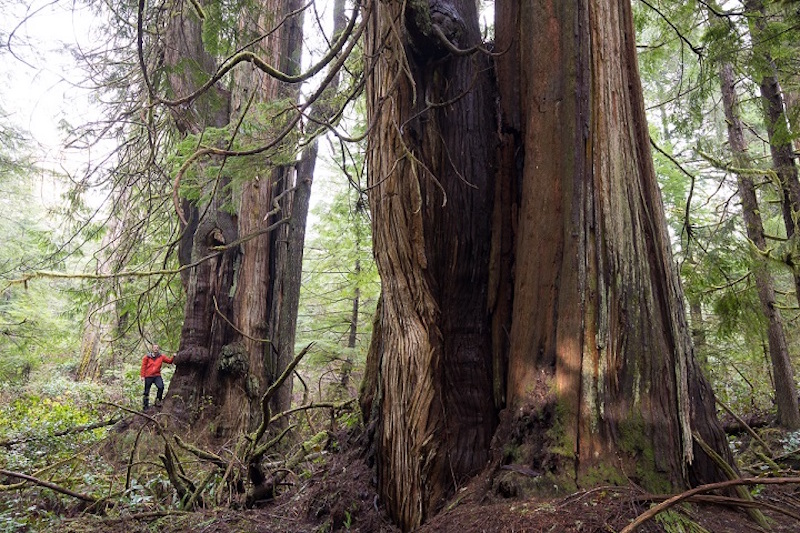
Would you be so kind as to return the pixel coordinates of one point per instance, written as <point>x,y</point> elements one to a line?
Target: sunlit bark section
<point>598,323</point>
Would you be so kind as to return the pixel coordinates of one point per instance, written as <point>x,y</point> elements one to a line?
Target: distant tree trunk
<point>785,390</point>
<point>102,317</point>
<point>352,333</point>
<point>298,202</point>
<point>698,328</point>
<point>778,132</point>
<point>601,384</point>
<point>321,113</point>
<point>292,267</point>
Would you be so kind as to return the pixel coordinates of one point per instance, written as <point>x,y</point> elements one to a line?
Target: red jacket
<point>151,366</point>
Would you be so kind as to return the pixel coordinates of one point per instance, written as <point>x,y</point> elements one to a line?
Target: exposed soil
<point>339,495</point>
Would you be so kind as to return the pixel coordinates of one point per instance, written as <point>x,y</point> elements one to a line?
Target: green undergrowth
<point>38,438</point>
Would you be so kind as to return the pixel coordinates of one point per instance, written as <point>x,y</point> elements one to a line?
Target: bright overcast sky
<point>38,90</point>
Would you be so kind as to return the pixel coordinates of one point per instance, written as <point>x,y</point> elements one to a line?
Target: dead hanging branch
<point>49,485</point>
<point>255,437</point>
<point>671,502</point>
<point>216,251</point>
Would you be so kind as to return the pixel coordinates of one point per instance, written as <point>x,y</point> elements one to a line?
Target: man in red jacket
<point>151,372</point>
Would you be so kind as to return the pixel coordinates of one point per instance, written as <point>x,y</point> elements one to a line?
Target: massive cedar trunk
<point>232,333</point>
<point>785,391</point>
<point>598,322</point>
<point>260,291</point>
<point>587,345</point>
<point>205,330</point>
<point>429,161</point>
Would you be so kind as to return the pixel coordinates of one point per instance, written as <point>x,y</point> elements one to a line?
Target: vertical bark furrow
<point>430,170</point>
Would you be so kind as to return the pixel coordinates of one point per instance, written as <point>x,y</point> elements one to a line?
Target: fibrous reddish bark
<point>598,315</point>
<point>430,173</point>
<point>233,334</point>
<point>587,346</point>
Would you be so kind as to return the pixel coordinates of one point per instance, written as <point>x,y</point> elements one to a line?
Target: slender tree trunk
<point>102,317</point>
<point>289,298</point>
<point>785,390</point>
<point>352,333</point>
<point>298,202</point>
<point>698,329</point>
<point>778,132</point>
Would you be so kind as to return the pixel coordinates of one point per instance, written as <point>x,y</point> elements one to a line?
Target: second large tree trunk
<point>238,334</point>
<point>599,335</point>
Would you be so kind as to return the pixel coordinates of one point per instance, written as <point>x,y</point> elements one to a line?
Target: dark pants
<point>148,382</point>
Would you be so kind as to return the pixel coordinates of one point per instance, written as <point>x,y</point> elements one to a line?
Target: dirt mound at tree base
<point>595,511</point>
<point>310,510</point>
<point>338,494</point>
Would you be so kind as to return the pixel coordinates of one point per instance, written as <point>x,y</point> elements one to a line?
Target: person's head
<point>156,349</point>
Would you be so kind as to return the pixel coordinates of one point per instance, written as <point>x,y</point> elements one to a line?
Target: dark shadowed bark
<point>783,375</point>
<point>205,328</point>
<point>430,169</point>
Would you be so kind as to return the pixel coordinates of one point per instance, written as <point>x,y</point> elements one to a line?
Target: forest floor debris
<point>338,495</point>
